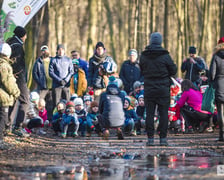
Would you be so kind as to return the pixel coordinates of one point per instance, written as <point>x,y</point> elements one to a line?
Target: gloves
<point>63,82</point>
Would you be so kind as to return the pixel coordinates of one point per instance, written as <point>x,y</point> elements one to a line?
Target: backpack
<point>116,115</point>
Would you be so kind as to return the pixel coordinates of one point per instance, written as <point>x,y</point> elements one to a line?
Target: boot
<point>150,142</point>
<point>163,142</point>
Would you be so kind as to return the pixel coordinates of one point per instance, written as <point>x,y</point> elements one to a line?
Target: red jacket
<point>174,110</point>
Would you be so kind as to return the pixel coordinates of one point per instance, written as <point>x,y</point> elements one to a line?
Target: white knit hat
<point>5,49</point>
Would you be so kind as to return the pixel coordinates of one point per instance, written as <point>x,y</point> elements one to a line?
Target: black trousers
<point>3,116</point>
<point>163,106</point>
<point>60,93</point>
<point>21,106</point>
<point>34,123</point>
<point>194,118</point>
<point>220,109</point>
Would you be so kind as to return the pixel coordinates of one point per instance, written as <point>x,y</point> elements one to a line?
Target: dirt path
<point>50,157</point>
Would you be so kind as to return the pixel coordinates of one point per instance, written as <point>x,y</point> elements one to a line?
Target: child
<point>130,118</point>
<point>137,91</point>
<point>87,101</point>
<point>57,117</point>
<point>81,113</point>
<point>92,120</point>
<point>33,120</point>
<point>69,123</point>
<point>174,116</point>
<point>141,113</point>
<point>43,115</point>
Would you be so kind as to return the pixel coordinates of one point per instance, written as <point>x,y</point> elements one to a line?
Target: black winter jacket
<point>157,67</point>
<point>129,73</point>
<point>18,55</point>
<point>217,72</point>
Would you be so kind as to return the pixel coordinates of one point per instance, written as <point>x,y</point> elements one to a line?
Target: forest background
<point>125,24</point>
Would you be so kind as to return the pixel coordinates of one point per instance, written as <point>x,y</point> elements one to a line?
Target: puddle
<point>120,166</point>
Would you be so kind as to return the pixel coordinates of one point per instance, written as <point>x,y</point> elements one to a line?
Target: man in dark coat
<point>41,76</point>
<point>217,77</point>
<point>19,71</point>
<point>193,65</point>
<point>130,71</point>
<point>157,67</point>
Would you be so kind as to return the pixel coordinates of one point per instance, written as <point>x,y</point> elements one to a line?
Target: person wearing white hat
<point>9,90</point>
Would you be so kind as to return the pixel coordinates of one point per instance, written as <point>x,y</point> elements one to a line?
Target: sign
<point>22,12</point>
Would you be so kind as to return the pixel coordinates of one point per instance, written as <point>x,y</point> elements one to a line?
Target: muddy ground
<point>188,156</point>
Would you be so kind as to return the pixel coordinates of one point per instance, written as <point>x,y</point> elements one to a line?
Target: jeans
<point>129,125</point>
<point>60,93</point>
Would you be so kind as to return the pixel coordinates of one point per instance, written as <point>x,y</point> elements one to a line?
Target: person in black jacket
<point>130,71</point>
<point>19,70</point>
<point>193,65</point>
<point>217,78</point>
<point>157,67</point>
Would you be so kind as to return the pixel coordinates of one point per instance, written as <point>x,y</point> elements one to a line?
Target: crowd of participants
<point>77,98</point>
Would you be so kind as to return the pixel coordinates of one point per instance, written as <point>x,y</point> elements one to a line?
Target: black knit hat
<point>19,31</point>
<point>100,44</point>
<point>60,46</point>
<point>192,50</point>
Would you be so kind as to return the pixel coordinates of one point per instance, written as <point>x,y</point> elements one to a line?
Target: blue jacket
<point>129,73</point>
<point>90,118</point>
<point>39,74</point>
<point>69,118</point>
<point>84,65</point>
<point>60,68</point>
<point>130,114</point>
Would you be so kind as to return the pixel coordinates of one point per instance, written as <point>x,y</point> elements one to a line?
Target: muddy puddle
<point>115,166</point>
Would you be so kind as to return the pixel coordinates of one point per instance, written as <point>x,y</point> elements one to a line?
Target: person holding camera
<point>193,65</point>
<point>100,67</point>
<point>61,71</point>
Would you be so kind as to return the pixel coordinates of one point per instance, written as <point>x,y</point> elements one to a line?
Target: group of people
<point>77,98</point>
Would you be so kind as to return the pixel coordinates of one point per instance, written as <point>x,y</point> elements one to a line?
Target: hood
<point>151,51</point>
<point>113,89</point>
<point>219,50</point>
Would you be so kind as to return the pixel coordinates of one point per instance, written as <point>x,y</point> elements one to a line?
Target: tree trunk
<point>166,24</point>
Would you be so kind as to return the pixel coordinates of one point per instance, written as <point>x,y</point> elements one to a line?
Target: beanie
<point>78,101</point>
<point>75,61</point>
<point>128,99</point>
<point>156,38</point>
<point>133,52</point>
<point>137,84</point>
<point>100,44</point>
<point>94,104</point>
<point>19,31</point>
<point>60,46</point>
<point>87,98</point>
<point>113,80</point>
<point>73,97</point>
<point>44,48</point>
<point>141,96</point>
<point>192,50</point>
<point>221,40</point>
<point>34,96</point>
<point>69,104</point>
<point>5,49</point>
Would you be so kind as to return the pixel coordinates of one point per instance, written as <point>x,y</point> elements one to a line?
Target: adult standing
<point>157,67</point>
<point>19,71</point>
<point>9,90</point>
<point>61,71</point>
<point>100,66</point>
<point>193,65</point>
<point>82,63</point>
<point>43,80</point>
<point>217,76</point>
<point>130,71</point>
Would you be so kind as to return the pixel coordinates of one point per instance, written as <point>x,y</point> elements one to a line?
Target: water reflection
<point>126,166</point>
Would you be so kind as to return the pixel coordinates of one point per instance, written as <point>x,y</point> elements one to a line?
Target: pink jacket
<point>193,99</point>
